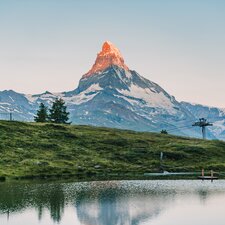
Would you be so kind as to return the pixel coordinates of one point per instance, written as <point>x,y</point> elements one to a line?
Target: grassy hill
<point>44,150</point>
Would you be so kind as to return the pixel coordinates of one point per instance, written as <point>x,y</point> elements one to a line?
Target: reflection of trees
<point>112,207</point>
<point>19,196</point>
<point>203,195</point>
<point>56,205</point>
<point>52,199</point>
<point>97,203</point>
<point>12,198</point>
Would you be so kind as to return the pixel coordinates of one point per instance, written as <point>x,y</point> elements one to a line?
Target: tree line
<point>56,114</point>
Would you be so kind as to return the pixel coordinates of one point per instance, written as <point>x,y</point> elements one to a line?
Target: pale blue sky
<point>50,44</point>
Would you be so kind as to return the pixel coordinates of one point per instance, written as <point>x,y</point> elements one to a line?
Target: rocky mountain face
<point>112,95</point>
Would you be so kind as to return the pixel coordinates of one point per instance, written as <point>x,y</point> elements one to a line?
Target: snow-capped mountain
<point>18,104</point>
<point>112,95</point>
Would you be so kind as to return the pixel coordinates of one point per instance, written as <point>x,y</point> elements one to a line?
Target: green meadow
<point>36,150</point>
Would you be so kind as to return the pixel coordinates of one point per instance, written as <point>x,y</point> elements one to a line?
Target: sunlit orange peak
<point>109,55</point>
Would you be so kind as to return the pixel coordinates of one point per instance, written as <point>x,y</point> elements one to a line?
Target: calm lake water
<point>113,203</point>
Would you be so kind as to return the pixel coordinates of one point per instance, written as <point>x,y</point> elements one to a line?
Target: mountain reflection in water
<point>96,203</point>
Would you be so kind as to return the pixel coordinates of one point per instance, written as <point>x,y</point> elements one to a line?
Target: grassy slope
<point>29,149</point>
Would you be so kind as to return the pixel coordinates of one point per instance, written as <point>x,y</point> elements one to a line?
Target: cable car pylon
<point>203,124</point>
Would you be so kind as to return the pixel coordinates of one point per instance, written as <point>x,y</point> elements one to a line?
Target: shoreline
<point>84,178</point>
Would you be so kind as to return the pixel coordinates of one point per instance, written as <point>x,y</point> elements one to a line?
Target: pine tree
<point>42,114</point>
<point>58,112</point>
<point>164,132</point>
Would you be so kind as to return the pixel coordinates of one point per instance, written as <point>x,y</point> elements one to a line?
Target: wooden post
<point>212,173</point>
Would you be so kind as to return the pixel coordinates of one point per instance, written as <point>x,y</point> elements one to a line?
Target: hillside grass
<point>30,150</point>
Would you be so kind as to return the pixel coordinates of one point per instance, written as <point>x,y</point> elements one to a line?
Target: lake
<point>157,202</point>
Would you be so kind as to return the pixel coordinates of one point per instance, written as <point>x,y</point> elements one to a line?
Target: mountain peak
<point>109,55</point>
<point>109,48</point>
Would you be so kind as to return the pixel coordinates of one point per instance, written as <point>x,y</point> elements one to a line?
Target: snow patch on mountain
<point>129,99</point>
<point>84,96</point>
<point>219,127</point>
<point>30,98</point>
<point>222,112</point>
<point>151,98</point>
<point>46,97</point>
<point>128,74</point>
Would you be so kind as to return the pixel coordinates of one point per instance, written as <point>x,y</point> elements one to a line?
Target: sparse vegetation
<point>45,149</point>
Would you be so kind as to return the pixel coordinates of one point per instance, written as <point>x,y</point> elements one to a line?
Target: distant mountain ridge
<point>112,95</point>
<point>213,114</point>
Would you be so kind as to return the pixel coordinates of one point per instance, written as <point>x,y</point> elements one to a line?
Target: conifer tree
<point>164,132</point>
<point>42,114</point>
<point>58,112</point>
